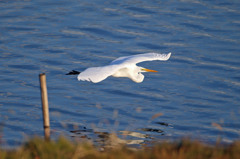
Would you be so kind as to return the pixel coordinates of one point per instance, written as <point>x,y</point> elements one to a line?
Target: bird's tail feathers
<point>73,72</point>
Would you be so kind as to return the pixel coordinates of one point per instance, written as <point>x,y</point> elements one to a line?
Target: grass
<point>37,148</point>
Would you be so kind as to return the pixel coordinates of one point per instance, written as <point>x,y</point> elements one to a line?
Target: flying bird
<point>121,67</point>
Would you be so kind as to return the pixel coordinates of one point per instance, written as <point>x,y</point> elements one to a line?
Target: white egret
<point>121,67</point>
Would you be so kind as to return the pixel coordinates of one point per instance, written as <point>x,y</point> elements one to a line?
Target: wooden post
<point>45,110</point>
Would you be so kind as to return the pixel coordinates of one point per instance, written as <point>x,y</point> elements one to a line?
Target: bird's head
<point>139,77</point>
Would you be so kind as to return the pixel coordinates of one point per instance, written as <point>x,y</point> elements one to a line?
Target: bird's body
<point>122,67</point>
<point>130,72</point>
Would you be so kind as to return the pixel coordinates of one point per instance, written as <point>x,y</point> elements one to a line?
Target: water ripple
<point>197,87</point>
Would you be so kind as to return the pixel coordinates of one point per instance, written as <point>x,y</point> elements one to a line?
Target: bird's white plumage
<point>121,67</point>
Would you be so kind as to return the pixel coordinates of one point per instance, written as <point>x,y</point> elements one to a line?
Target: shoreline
<point>38,148</point>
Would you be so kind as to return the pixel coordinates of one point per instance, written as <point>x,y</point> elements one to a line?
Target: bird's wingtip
<point>168,55</point>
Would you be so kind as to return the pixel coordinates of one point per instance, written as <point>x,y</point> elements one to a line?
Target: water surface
<point>195,93</point>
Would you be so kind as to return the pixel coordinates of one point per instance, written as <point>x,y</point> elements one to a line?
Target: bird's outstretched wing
<point>97,74</point>
<point>134,59</point>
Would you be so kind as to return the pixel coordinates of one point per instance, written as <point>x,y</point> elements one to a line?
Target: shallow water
<point>194,94</point>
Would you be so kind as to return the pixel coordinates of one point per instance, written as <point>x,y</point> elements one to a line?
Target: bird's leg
<point>73,72</point>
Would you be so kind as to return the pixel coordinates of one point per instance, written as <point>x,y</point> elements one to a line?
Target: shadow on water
<point>137,138</point>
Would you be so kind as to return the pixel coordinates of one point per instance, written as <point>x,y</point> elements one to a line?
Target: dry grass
<point>63,149</point>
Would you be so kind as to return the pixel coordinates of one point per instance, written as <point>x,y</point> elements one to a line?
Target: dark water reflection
<point>196,91</point>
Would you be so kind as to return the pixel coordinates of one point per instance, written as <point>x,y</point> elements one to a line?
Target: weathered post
<point>45,110</point>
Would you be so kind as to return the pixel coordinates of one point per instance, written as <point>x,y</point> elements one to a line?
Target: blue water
<point>196,92</point>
